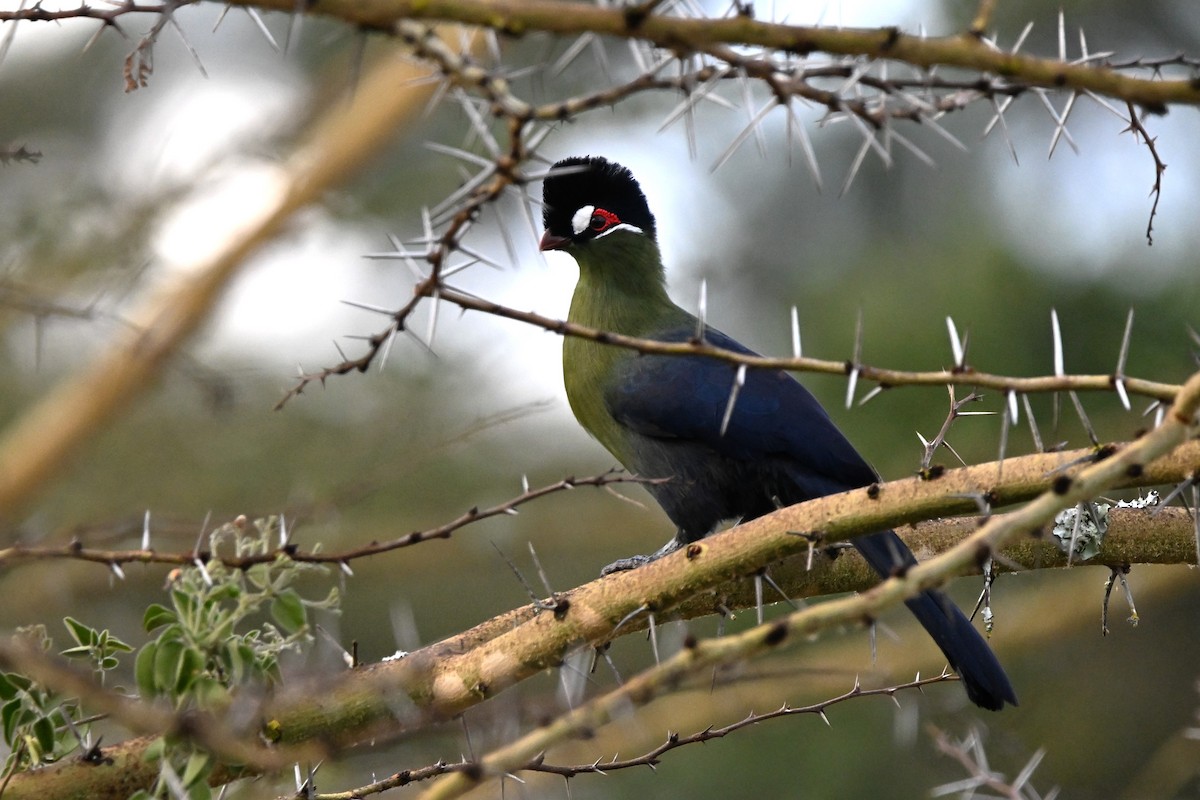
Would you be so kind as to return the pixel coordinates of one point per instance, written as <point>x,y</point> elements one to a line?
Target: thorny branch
<point>844,71</point>
<point>873,99</point>
<point>971,755</point>
<point>1177,427</point>
<point>931,447</point>
<point>76,550</point>
<point>964,375</point>
<point>18,155</point>
<point>671,26</point>
<point>651,758</point>
<point>452,675</point>
<point>1138,130</point>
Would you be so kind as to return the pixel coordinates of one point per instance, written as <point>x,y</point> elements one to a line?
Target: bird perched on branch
<point>728,454</point>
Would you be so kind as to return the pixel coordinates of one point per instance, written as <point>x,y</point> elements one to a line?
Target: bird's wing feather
<point>773,416</point>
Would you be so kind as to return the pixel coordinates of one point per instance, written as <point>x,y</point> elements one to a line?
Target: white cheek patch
<point>582,218</point>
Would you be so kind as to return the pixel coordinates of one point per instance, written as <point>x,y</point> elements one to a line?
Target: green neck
<point>622,287</point>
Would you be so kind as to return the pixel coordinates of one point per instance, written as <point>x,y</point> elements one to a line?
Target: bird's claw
<point>623,564</point>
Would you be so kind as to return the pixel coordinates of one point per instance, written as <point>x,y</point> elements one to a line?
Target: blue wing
<point>779,446</point>
<point>774,420</point>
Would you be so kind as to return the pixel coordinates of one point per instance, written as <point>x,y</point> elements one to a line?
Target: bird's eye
<point>602,220</point>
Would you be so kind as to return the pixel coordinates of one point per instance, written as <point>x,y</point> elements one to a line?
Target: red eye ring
<point>602,220</point>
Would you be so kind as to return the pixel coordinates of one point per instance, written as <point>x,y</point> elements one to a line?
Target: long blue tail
<point>968,653</point>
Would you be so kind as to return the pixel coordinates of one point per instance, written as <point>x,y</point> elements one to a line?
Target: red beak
<point>552,241</point>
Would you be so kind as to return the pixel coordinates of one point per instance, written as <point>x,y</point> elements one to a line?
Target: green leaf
<point>10,714</point>
<point>82,634</point>
<point>288,611</point>
<point>185,604</point>
<point>228,591</point>
<point>154,750</point>
<point>249,655</point>
<point>43,729</point>
<point>143,669</point>
<point>190,667</point>
<point>198,766</point>
<point>259,575</point>
<point>115,645</point>
<point>168,663</point>
<point>232,661</point>
<point>82,651</point>
<point>157,615</point>
<point>8,689</point>
<point>209,693</point>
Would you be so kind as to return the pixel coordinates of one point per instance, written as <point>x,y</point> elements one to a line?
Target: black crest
<point>593,181</point>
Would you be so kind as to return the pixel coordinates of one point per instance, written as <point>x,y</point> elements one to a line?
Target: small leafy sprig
<point>226,627</point>
<point>39,725</point>
<point>223,631</point>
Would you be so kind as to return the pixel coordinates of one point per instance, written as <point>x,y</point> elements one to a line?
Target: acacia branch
<point>77,551</point>
<point>960,376</point>
<point>682,34</point>
<point>650,758</point>
<point>1180,425</point>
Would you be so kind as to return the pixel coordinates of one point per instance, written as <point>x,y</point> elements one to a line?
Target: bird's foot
<point>633,562</point>
<point>623,564</point>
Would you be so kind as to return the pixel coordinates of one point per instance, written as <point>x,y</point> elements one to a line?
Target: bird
<point>669,416</point>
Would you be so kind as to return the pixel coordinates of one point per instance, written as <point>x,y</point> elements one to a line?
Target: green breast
<point>588,368</point>
<point>621,289</point>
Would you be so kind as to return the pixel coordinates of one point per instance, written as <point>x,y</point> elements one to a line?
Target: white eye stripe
<point>624,226</point>
<point>582,218</point>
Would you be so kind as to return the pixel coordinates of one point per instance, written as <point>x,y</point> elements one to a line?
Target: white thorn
<point>870,395</point>
<point>1021,39</point>
<point>795,333</point>
<point>433,318</point>
<point>955,343</point>
<point>1058,348</point>
<point>739,380</point>
<point>146,531</point>
<point>1120,384</point>
<point>1124,354</point>
<point>853,383</point>
<point>1062,36</point>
